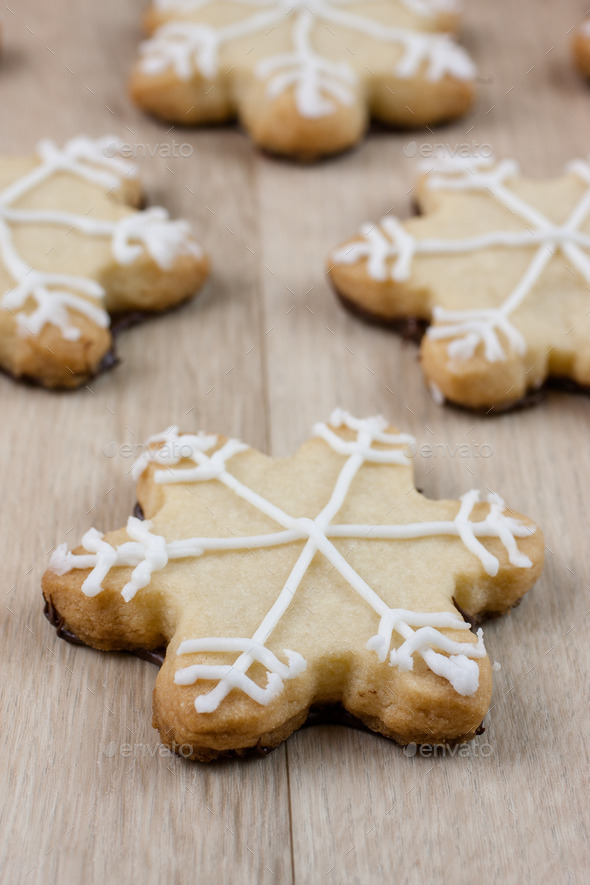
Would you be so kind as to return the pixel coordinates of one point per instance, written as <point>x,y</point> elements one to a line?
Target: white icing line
<point>320,85</point>
<point>147,553</point>
<point>436,393</point>
<point>390,251</point>
<point>56,296</point>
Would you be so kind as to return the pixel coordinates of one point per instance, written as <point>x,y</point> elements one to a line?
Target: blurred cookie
<point>303,77</point>
<point>498,264</point>
<point>74,251</point>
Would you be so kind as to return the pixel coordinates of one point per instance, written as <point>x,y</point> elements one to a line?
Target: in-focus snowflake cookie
<point>74,251</point>
<point>304,76</point>
<point>499,265</point>
<point>278,584</point>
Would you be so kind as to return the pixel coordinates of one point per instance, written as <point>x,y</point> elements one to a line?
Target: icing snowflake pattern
<point>54,295</point>
<point>390,249</point>
<point>148,553</point>
<point>320,84</point>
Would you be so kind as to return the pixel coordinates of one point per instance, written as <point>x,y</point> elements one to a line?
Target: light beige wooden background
<point>86,795</point>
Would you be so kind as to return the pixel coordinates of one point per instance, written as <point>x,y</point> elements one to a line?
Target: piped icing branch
<point>320,84</point>
<point>38,298</point>
<point>194,458</point>
<point>390,252</point>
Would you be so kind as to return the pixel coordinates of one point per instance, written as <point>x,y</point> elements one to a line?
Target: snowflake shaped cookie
<point>500,267</point>
<point>303,76</point>
<point>74,251</point>
<point>277,584</point>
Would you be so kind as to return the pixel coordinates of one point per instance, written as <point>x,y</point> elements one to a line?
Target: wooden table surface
<point>88,794</point>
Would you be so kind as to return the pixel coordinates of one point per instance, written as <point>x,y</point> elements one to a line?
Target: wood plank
<point>264,353</point>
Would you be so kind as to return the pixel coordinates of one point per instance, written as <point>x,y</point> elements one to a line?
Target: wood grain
<point>86,792</point>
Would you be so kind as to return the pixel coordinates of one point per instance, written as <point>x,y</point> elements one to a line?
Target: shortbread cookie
<point>581,45</point>
<point>278,584</point>
<point>498,265</point>
<point>304,76</point>
<point>74,252</point>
